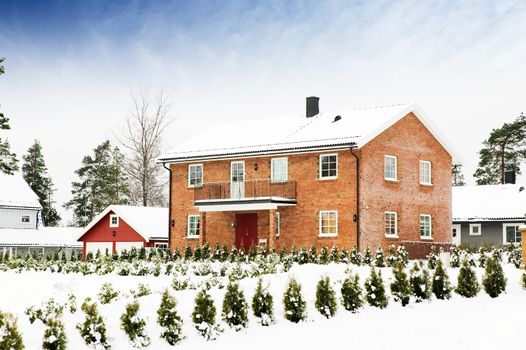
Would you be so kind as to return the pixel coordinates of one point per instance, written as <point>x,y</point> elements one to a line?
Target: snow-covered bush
<point>333,255</point>
<point>313,254</point>
<point>72,303</point>
<point>344,256</point>
<point>107,294</point>
<point>441,286</point>
<point>169,320</point>
<point>352,293</point>
<point>432,258</point>
<point>49,309</point>
<point>379,260</point>
<point>400,287</point>
<point>454,257</point>
<point>403,255</point>
<point>467,284</point>
<point>188,253</point>
<point>10,338</point>
<point>204,315</point>
<point>323,258</point>
<point>294,305</point>
<point>235,307</point>
<point>392,256</point>
<point>375,290</point>
<point>142,290</point>
<point>493,280</point>
<point>93,329</point>
<point>303,257</point>
<point>325,298</point>
<point>482,257</point>
<point>54,335</point>
<point>134,326</point>
<point>356,257</point>
<point>420,283</point>
<point>524,280</point>
<point>515,255</point>
<point>262,305</point>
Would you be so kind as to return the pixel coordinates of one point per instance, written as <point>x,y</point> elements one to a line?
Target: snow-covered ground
<point>458,323</point>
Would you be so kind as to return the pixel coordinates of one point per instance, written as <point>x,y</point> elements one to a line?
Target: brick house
<point>368,177</point>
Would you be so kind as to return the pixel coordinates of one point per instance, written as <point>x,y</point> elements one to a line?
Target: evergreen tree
<point>93,330</point>
<point>35,173</point>
<point>352,293</point>
<point>344,256</point>
<point>10,337</point>
<point>325,298</point>
<point>420,283</point>
<point>493,281</point>
<point>55,335</point>
<point>134,326</point>
<point>524,281</point>
<point>457,177</point>
<point>333,255</point>
<point>375,290</point>
<point>441,286</point>
<point>169,320</point>
<point>294,305</point>
<point>379,260</point>
<point>432,258</point>
<point>262,305</point>
<point>313,254</point>
<point>235,307</point>
<point>400,288</point>
<point>8,161</point>
<point>101,182</point>
<point>204,314</point>
<point>356,257</point>
<point>454,260</point>
<point>367,257</point>
<point>504,150</point>
<point>467,284</point>
<point>392,256</point>
<point>323,258</point>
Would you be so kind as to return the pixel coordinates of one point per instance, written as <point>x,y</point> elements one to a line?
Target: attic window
<point>114,220</point>
<point>25,219</point>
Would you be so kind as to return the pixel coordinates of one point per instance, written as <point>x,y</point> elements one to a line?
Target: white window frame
<point>188,227</point>
<point>430,226</point>
<point>395,178</point>
<point>272,179</point>
<point>322,212</point>
<point>321,177</point>
<point>395,235</point>
<point>504,226</point>
<point>471,226</point>
<point>422,180</point>
<point>190,166</point>
<point>114,216</point>
<point>28,219</point>
<point>278,223</point>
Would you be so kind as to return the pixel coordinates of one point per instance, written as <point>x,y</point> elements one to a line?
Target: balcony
<point>244,195</point>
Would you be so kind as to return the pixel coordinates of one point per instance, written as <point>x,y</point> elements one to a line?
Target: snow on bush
<point>325,298</point>
<point>420,283</point>
<point>107,294</point>
<point>262,305</point>
<point>133,325</point>
<point>93,329</point>
<point>379,260</point>
<point>10,338</point>
<point>467,284</point>
<point>351,293</point>
<point>440,285</point>
<point>493,280</point>
<point>170,322</point>
<point>294,305</point>
<point>400,287</point>
<point>375,290</point>
<point>142,291</point>
<point>204,316</point>
<point>234,311</point>
<point>55,335</point>
<point>356,257</point>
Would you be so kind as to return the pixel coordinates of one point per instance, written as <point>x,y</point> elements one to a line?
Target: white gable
<point>15,192</point>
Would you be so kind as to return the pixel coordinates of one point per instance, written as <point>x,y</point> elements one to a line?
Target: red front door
<point>246,231</point>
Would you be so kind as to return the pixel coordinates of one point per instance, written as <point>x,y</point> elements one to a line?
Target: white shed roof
<point>15,192</point>
<point>356,127</point>
<point>489,202</point>
<point>42,237</point>
<point>149,222</point>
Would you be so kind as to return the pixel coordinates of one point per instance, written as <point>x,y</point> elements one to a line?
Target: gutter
<point>169,205</point>
<point>357,197</point>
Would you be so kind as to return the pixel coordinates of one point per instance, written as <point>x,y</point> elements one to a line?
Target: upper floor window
<point>279,169</point>
<point>193,227</point>
<point>114,220</point>
<point>391,223</point>
<point>25,219</point>
<point>425,226</point>
<point>425,172</point>
<point>195,175</point>
<point>328,223</point>
<point>390,168</point>
<point>328,166</point>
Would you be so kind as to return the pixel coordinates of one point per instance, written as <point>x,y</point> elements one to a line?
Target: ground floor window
<point>328,223</point>
<point>163,246</point>
<point>391,223</point>
<point>193,228</point>
<point>511,233</point>
<point>425,226</point>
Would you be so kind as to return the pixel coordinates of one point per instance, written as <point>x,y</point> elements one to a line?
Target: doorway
<point>246,231</point>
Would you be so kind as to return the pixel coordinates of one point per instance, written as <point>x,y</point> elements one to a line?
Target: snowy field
<point>458,323</point>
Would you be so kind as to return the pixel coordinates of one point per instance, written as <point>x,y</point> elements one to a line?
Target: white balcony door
<point>237,179</point>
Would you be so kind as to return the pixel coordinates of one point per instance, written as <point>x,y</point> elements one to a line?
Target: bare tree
<point>141,137</point>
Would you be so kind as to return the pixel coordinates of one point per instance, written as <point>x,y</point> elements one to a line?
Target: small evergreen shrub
<point>403,255</point>
<point>467,284</point>
<point>482,257</point>
<point>344,256</point>
<point>524,280</point>
<point>400,288</point>
<point>93,329</point>
<point>303,257</point>
<point>432,258</point>
<point>356,257</point>
<point>54,335</point>
<point>375,290</point>
<point>107,294</point>
<point>392,256</point>
<point>142,290</point>
<point>441,286</point>
<point>379,260</point>
<point>197,253</point>
<point>72,303</point>
<point>134,326</point>
<point>325,298</point>
<point>493,281</point>
<point>420,283</point>
<point>323,258</point>
<point>169,320</point>
<point>454,254</point>
<point>334,255</point>
<point>515,256</point>
<point>313,254</point>
<point>235,307</point>
<point>352,293</point>
<point>10,337</point>
<point>262,305</point>
<point>294,305</point>
<point>367,257</point>
<point>204,315</point>
<point>188,253</point>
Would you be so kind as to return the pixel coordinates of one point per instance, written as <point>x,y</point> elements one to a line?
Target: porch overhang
<point>243,204</point>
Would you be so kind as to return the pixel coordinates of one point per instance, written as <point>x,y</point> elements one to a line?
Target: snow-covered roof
<point>355,127</point>
<point>42,237</point>
<point>489,202</point>
<point>15,192</point>
<point>147,221</point>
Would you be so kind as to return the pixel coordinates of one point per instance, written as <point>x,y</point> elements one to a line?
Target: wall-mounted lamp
<point>172,222</point>
<point>255,166</point>
<point>354,218</point>
<point>113,233</point>
<point>233,224</point>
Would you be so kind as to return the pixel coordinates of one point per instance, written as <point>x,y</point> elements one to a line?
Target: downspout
<point>357,198</point>
<point>169,207</point>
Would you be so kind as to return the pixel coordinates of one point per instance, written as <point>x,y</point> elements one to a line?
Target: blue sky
<point>72,65</point>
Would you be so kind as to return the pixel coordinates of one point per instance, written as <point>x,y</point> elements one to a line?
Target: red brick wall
<point>410,141</point>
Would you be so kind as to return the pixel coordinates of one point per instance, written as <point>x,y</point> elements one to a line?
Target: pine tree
<point>392,256</point>
<point>303,256</point>
<point>35,173</point>
<point>333,255</point>
<point>367,257</point>
<point>375,290</point>
<point>8,161</point>
<point>323,258</point>
<point>169,320</point>
<point>204,314</point>
<point>10,337</point>
<point>356,257</point>
<point>441,286</point>
<point>403,255</point>
<point>432,258</point>
<point>400,288</point>
<point>313,254</point>
<point>457,177</point>
<point>93,329</point>
<point>134,326</point>
<point>494,281</point>
<point>352,293</point>
<point>454,260</point>
<point>55,335</point>
<point>325,298</point>
<point>294,305</point>
<point>262,305</point>
<point>101,182</point>
<point>379,260</point>
<point>420,283</point>
<point>235,307</point>
<point>344,256</point>
<point>467,284</point>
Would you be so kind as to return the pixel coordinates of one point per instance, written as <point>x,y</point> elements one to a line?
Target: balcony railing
<point>245,189</point>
